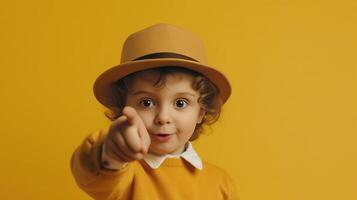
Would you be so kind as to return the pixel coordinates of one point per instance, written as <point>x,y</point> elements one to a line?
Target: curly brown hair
<point>209,99</point>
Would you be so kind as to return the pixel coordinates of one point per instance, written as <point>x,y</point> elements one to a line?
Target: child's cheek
<point>188,123</point>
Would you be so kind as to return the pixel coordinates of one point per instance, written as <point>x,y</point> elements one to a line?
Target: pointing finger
<point>145,139</point>
<point>132,138</point>
<point>118,123</point>
<point>132,116</point>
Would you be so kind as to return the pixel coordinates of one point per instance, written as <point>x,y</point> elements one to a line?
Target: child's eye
<point>181,103</point>
<point>147,103</point>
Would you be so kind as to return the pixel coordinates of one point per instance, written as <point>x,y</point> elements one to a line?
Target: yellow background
<point>289,131</point>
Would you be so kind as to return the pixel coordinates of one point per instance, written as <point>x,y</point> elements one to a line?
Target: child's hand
<point>127,138</point>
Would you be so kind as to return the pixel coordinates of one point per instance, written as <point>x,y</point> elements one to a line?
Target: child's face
<point>171,110</point>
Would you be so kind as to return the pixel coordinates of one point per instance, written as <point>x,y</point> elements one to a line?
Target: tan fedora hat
<point>159,45</point>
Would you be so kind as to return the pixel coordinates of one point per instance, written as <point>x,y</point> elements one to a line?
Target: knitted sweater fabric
<point>175,179</point>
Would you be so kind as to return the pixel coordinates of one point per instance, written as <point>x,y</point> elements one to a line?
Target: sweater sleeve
<point>91,177</point>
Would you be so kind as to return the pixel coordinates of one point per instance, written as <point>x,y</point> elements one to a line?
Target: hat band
<point>165,55</point>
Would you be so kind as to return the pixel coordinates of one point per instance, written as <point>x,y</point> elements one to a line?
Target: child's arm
<point>86,163</point>
<point>91,177</point>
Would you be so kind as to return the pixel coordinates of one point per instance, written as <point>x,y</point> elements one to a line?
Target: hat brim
<point>105,91</point>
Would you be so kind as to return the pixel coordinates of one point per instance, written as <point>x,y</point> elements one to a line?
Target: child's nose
<point>163,116</point>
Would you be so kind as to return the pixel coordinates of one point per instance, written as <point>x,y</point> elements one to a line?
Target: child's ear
<point>201,115</point>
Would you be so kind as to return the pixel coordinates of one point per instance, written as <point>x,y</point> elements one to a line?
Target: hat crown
<point>163,38</point>
<point>159,45</point>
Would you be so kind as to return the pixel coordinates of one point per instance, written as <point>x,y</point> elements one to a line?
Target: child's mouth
<point>162,137</point>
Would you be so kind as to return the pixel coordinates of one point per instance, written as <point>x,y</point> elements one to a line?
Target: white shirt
<point>154,161</point>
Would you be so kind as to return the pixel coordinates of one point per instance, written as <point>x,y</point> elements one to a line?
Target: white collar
<point>190,155</point>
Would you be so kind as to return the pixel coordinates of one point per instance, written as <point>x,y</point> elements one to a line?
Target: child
<point>158,97</point>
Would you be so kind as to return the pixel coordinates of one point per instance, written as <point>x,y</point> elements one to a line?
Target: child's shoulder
<point>219,175</point>
<point>214,169</point>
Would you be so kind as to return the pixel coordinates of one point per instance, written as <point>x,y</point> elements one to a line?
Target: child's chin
<point>160,151</point>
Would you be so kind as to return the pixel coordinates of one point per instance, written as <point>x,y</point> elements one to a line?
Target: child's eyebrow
<point>151,93</point>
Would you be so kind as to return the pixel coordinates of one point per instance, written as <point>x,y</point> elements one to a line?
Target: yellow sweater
<point>175,179</point>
